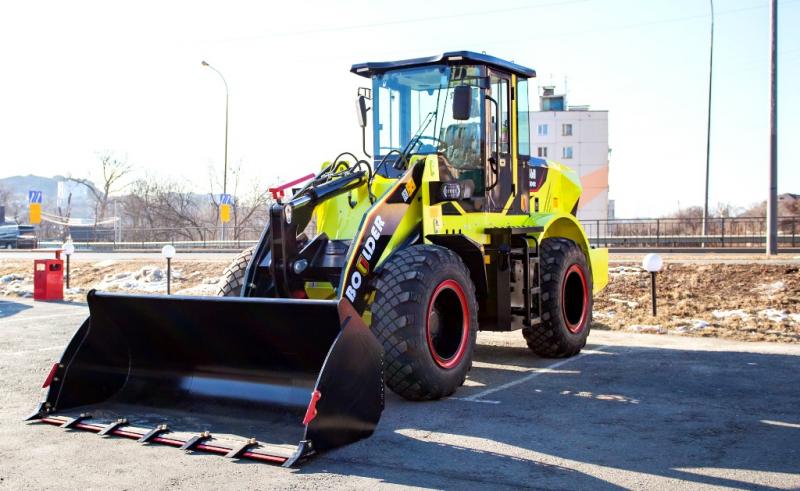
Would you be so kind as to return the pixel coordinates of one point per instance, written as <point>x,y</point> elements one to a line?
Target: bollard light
<point>652,263</point>
<point>69,248</point>
<point>168,251</point>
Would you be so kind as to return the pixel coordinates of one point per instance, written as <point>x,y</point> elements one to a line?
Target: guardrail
<point>737,232</point>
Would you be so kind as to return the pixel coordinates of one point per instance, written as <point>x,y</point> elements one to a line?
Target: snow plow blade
<point>275,380</point>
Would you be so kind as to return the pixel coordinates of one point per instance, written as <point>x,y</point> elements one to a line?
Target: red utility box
<point>48,279</point>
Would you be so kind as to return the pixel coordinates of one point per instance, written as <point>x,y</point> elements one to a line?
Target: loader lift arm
<point>272,272</point>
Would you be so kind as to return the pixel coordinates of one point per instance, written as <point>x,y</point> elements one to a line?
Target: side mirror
<point>361,107</point>
<point>462,102</point>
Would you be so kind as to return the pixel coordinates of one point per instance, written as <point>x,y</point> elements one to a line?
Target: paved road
<point>120,256</point>
<point>614,258</point>
<point>633,411</point>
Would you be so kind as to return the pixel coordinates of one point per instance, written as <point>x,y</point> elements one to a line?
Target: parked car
<point>15,236</point>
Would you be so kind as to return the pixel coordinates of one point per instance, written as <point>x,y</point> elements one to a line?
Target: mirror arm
<point>364,138</point>
<point>495,168</point>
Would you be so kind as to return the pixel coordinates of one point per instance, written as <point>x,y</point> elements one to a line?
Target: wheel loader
<point>448,227</point>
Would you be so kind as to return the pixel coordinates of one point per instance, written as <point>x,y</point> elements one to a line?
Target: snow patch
<point>11,277</point>
<point>629,303</point>
<point>770,288</point>
<point>693,325</point>
<point>648,328</point>
<point>726,314</point>
<point>625,271</point>
<point>203,289</point>
<point>776,315</point>
<point>148,279</point>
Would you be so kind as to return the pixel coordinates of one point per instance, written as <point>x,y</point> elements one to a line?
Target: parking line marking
<point>484,401</point>
<point>41,317</point>
<point>548,369</point>
<point>25,352</point>
<point>780,423</point>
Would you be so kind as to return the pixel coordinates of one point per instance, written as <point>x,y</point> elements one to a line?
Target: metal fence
<point>738,232</point>
<point>154,238</point>
<point>735,232</point>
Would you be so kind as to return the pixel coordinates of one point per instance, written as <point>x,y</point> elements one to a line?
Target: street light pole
<point>708,126</point>
<point>225,172</point>
<point>772,199</point>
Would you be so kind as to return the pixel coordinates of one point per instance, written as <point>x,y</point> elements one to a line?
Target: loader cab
<point>468,109</point>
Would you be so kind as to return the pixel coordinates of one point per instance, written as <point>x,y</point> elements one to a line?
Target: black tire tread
<point>548,338</point>
<point>230,285</point>
<point>396,319</point>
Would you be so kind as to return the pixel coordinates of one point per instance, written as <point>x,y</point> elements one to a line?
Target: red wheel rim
<point>447,324</point>
<point>574,298</point>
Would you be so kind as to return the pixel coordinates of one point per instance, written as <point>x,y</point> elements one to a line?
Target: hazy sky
<point>79,78</point>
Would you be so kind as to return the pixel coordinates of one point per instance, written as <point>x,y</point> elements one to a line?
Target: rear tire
<point>230,285</point>
<point>566,301</point>
<point>426,316</point>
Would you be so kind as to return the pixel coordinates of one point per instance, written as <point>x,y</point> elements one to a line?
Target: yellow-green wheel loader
<point>450,226</point>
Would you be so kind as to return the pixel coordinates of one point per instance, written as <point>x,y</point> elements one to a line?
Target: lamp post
<point>708,125</point>
<point>69,248</point>
<point>168,251</point>
<point>652,263</point>
<point>225,172</point>
<point>772,197</point>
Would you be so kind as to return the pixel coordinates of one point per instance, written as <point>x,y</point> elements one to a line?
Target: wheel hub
<point>447,324</point>
<point>574,298</point>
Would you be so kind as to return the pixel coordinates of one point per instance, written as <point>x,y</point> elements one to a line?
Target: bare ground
<point>750,302</point>
<point>136,276</point>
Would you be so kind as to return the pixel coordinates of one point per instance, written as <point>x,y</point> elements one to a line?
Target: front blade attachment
<point>165,369</point>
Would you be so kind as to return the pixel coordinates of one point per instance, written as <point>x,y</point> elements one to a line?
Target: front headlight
<point>450,191</point>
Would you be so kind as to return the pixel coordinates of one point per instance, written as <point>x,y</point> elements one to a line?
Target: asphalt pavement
<point>632,411</point>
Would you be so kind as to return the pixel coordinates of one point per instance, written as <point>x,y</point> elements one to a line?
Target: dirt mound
<point>753,302</point>
<point>131,276</point>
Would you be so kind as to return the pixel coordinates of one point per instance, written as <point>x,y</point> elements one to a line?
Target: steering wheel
<point>436,141</point>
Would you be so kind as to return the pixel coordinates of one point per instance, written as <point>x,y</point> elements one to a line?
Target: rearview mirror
<point>462,102</point>
<point>361,107</point>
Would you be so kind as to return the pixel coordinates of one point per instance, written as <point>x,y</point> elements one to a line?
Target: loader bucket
<point>269,379</point>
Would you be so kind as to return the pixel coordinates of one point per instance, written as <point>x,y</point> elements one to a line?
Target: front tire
<point>426,316</point>
<point>566,296</point>
<point>230,285</point>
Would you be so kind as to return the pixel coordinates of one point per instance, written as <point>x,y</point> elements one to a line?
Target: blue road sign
<point>225,199</point>
<point>34,196</point>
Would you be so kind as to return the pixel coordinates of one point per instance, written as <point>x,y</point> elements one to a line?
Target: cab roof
<point>458,57</point>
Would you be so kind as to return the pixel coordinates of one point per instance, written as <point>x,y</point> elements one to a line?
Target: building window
<point>541,152</point>
<point>542,130</point>
<point>566,153</point>
<point>566,129</point>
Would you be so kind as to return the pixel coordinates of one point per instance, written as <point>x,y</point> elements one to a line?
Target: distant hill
<point>15,190</point>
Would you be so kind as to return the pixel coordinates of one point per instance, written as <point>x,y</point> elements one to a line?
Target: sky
<point>78,79</point>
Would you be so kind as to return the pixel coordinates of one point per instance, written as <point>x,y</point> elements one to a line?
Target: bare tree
<point>64,216</point>
<point>250,208</point>
<point>113,170</point>
<point>5,201</point>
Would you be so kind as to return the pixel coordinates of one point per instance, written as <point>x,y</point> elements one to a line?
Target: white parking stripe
<point>780,423</point>
<point>536,372</point>
<point>25,352</point>
<point>41,317</point>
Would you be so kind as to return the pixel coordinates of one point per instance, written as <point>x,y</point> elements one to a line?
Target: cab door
<point>499,164</point>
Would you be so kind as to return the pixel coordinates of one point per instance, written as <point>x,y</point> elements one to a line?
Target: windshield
<point>414,106</point>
